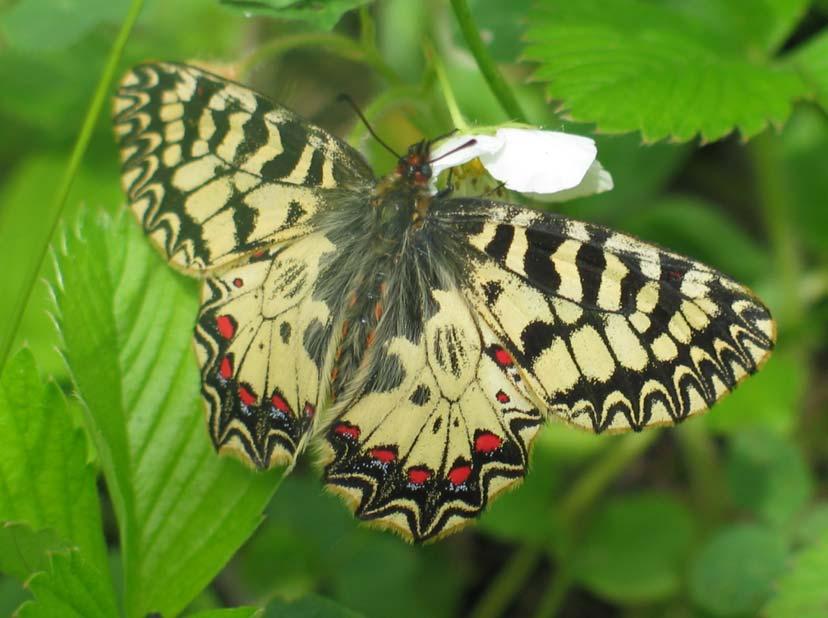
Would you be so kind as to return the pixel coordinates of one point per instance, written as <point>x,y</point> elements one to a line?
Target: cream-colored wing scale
<point>214,171</point>
<point>426,455</point>
<point>612,334</point>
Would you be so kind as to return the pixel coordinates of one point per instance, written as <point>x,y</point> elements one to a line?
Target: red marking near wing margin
<point>246,394</point>
<point>226,367</point>
<point>226,326</point>
<point>459,474</point>
<point>502,397</point>
<point>384,455</point>
<point>279,403</point>
<point>486,442</point>
<point>238,282</point>
<point>418,476</point>
<point>309,409</point>
<point>349,431</point>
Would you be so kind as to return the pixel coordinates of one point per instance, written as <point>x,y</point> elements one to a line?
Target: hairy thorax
<point>390,223</point>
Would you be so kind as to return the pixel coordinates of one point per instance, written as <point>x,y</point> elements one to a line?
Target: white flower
<point>548,165</point>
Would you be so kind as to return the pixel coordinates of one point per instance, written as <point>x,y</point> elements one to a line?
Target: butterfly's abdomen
<point>363,311</point>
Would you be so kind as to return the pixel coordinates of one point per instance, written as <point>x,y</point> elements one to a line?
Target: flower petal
<point>596,180</point>
<point>483,145</point>
<point>535,161</point>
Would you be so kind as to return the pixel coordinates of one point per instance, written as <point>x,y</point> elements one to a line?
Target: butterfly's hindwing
<point>612,333</point>
<point>422,451</point>
<point>262,341</point>
<point>215,171</point>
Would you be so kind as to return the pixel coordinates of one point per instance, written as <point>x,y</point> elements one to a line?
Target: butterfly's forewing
<point>446,426</point>
<point>215,171</point>
<point>611,333</point>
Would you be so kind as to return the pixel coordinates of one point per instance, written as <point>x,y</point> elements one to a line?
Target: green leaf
<point>768,476</point>
<point>762,27</point>
<point>734,572</point>
<point>12,595</point>
<point>319,15</point>
<point>812,60</point>
<point>24,551</point>
<point>46,481</point>
<point>37,25</point>
<point>311,606</point>
<point>25,203</point>
<point>127,321</point>
<point>231,612</point>
<point>633,550</point>
<point>631,65</point>
<point>71,588</point>
<point>802,592</point>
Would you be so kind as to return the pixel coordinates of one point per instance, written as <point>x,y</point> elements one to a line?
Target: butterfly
<point>419,340</point>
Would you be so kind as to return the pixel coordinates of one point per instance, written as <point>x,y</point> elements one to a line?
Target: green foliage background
<point>712,116</point>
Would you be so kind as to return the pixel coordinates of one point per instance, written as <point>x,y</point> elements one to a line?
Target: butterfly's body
<point>420,340</point>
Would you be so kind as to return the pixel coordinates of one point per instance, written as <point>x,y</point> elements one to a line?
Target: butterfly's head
<point>414,167</point>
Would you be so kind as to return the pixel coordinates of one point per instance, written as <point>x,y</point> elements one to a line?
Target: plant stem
<point>704,470</point>
<point>335,43</point>
<point>68,179</point>
<point>555,595</point>
<point>485,63</point>
<point>457,118</point>
<point>587,489</point>
<point>507,583</point>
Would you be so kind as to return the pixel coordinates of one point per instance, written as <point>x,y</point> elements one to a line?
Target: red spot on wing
<point>502,397</point>
<point>247,395</point>
<point>226,367</point>
<point>347,430</point>
<point>486,442</point>
<point>459,474</point>
<point>502,357</point>
<point>309,410</point>
<point>279,403</point>
<point>238,282</point>
<point>419,475</point>
<point>384,455</point>
<point>226,326</point>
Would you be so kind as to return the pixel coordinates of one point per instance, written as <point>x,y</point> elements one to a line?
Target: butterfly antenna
<point>471,142</point>
<point>347,99</point>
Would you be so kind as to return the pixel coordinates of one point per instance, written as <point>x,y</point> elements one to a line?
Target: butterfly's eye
<point>425,170</point>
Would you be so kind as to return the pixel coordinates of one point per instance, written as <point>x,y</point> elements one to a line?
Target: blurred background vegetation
<point>711,116</point>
